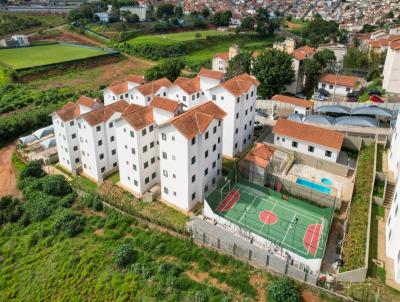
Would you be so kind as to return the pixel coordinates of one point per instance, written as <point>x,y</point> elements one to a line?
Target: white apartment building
<point>299,55</point>
<point>391,70</point>
<point>187,91</point>
<point>139,10</point>
<point>210,78</point>
<point>118,91</point>
<point>66,131</point>
<point>237,97</point>
<point>142,95</point>
<point>338,84</point>
<point>191,154</point>
<point>220,62</point>
<point>393,223</point>
<point>97,141</point>
<point>310,140</point>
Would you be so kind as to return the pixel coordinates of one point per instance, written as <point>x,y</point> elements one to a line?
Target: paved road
<point>8,184</point>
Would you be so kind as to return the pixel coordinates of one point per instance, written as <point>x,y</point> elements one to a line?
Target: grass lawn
<point>46,54</point>
<point>176,37</point>
<point>18,164</point>
<point>50,20</point>
<point>373,269</point>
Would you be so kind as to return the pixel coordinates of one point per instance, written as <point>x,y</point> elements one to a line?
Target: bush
<point>70,223</point>
<point>33,169</point>
<point>283,290</point>
<point>39,206</point>
<point>124,256</point>
<point>10,209</point>
<point>56,185</point>
<point>91,201</point>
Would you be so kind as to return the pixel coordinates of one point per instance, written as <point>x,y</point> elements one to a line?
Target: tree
<point>165,10</point>
<point>56,185</point>
<point>205,12</point>
<point>355,59</point>
<point>170,69</point>
<point>273,69</point>
<point>312,71</point>
<point>247,24</point>
<point>33,169</point>
<point>178,12</point>
<point>221,18</point>
<point>70,223</point>
<point>124,256</point>
<point>326,58</point>
<point>238,65</point>
<point>283,290</point>
<point>319,31</point>
<point>10,209</point>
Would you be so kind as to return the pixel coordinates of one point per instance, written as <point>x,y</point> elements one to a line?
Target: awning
<point>27,139</point>
<point>48,143</point>
<point>333,109</point>
<point>372,110</point>
<point>42,132</point>
<point>319,119</point>
<point>361,121</point>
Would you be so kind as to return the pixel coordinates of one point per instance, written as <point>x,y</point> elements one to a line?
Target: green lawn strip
<point>379,188</point>
<point>46,54</point>
<point>379,158</point>
<point>18,164</point>
<point>374,270</point>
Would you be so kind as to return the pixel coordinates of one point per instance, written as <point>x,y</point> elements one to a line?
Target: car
<point>353,94</point>
<point>301,96</point>
<point>374,92</point>
<point>318,98</point>
<point>323,92</point>
<point>376,99</point>
<point>257,125</point>
<point>352,99</point>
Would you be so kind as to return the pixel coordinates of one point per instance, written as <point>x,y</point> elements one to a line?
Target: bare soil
<point>8,183</point>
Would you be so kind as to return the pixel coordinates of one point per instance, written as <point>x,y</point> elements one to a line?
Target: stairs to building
<point>389,195</point>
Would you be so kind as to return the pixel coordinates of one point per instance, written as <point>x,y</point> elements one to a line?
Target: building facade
<point>391,70</point>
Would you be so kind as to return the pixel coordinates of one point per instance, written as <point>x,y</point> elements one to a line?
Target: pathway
<point>8,183</point>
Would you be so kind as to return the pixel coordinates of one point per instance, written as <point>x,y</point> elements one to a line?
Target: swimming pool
<point>326,181</point>
<point>313,185</point>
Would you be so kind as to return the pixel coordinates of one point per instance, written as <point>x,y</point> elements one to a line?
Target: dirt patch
<point>202,277</point>
<point>8,183</point>
<point>293,25</point>
<point>308,296</point>
<point>90,213</point>
<point>99,232</point>
<point>258,282</point>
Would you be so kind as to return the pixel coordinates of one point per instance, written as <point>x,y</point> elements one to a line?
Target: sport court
<point>293,225</point>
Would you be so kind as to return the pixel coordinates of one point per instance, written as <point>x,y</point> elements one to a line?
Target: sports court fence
<point>224,241</point>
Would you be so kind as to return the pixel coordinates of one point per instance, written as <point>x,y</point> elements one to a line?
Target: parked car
<point>319,97</point>
<point>352,99</point>
<point>374,92</point>
<point>301,96</point>
<point>353,94</point>
<point>323,92</point>
<point>257,125</point>
<point>376,99</point>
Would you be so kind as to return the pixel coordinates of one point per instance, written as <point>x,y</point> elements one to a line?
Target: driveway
<point>8,183</point>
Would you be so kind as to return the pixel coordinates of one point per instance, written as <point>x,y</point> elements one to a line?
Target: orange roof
<point>86,101</point>
<point>140,118</point>
<point>292,100</point>
<point>320,136</point>
<point>153,86</point>
<point>223,55</point>
<point>119,88</point>
<point>164,104</point>
<point>212,74</point>
<point>395,44</point>
<point>103,114</point>
<point>68,112</point>
<point>379,43</point>
<point>197,119</point>
<point>240,84</point>
<point>135,79</point>
<point>188,85</point>
<point>303,52</point>
<point>341,80</point>
<point>261,155</point>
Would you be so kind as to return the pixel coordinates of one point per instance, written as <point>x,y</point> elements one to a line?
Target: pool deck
<point>342,185</point>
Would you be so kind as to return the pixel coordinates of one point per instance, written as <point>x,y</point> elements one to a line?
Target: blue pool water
<point>326,181</point>
<point>313,185</point>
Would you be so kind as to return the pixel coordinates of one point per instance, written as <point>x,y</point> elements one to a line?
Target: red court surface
<point>311,238</point>
<point>229,201</point>
<point>268,217</point>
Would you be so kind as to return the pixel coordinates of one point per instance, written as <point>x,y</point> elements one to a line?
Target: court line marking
<point>229,199</point>
<point>288,229</point>
<point>272,210</point>
<point>319,240</point>
<point>247,209</point>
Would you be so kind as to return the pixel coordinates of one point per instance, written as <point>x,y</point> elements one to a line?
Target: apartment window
<point>213,181</point>
<point>193,195</point>
<point>101,156</point>
<point>198,94</point>
<point>328,153</point>
<point>112,138</point>
<point>77,160</point>
<point>323,85</point>
<point>236,145</point>
<point>163,136</point>
<point>247,96</point>
<point>124,129</point>
<point>98,128</point>
<point>348,89</point>
<point>71,123</point>
<point>395,211</point>
<point>144,132</point>
<point>103,169</point>
<point>75,148</point>
<point>283,139</point>
<point>222,97</point>
<point>133,151</point>
<point>134,167</point>
<point>127,163</point>
<point>294,144</point>
<point>219,123</point>
<point>148,99</point>
<point>215,129</point>
<point>219,140</point>
<point>207,135</point>
<point>81,139</point>
<point>165,190</point>
<point>278,138</point>
<point>390,234</point>
<point>135,182</point>
<point>214,164</point>
<point>236,130</point>
<point>310,148</point>
<point>146,181</point>
<point>184,98</point>
<point>165,173</point>
<point>205,172</point>
<point>153,175</point>
<point>193,96</point>
<point>164,155</point>
<point>146,164</point>
<point>244,141</point>
<point>214,97</point>
<point>153,160</point>
<point>144,149</point>
<point>330,86</point>
<point>173,157</point>
<point>206,154</point>
<point>110,125</point>
<point>79,125</point>
<point>173,176</point>
<point>245,113</point>
<point>132,134</point>
<point>113,152</point>
<point>245,127</point>
<point>237,115</point>
<point>219,156</point>
<point>237,100</point>
<point>252,93</point>
<point>151,128</point>
<point>193,159</point>
<point>193,178</point>
<point>100,142</point>
<point>214,147</point>
<point>73,135</point>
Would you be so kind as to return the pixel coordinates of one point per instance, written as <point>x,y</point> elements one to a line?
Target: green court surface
<point>293,225</point>
<point>27,57</point>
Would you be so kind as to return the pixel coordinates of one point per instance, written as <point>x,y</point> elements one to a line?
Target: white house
<point>136,133</point>
<point>296,105</point>
<point>237,97</point>
<point>391,70</point>
<point>165,109</point>
<point>139,10</point>
<point>66,131</point>
<point>210,78</point>
<point>191,154</point>
<point>97,141</point>
<point>142,95</point>
<point>121,90</point>
<point>187,91</point>
<point>311,140</point>
<point>299,55</point>
<point>393,222</point>
<point>220,62</point>
<point>337,84</point>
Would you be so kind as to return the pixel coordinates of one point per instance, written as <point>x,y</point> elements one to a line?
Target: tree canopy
<point>170,69</point>
<point>319,31</point>
<point>221,18</point>
<point>238,65</point>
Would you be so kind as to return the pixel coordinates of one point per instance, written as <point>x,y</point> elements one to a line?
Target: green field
<point>48,54</point>
<point>176,37</point>
<point>49,20</point>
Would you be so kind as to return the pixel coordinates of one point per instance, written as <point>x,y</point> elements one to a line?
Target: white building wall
<point>297,85</point>
<point>160,116</point>
<point>187,100</point>
<point>219,64</point>
<point>302,147</point>
<point>207,83</point>
<point>339,90</point>
<point>391,72</point>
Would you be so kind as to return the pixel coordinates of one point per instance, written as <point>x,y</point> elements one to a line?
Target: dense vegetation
<point>170,69</point>
<point>364,62</point>
<point>357,225</point>
<point>12,24</point>
<point>283,290</point>
<point>319,31</point>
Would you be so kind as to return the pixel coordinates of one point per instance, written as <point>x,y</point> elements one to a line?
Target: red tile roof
<point>190,86</point>
<point>341,80</point>
<point>213,74</point>
<point>119,88</point>
<point>197,119</point>
<point>261,155</point>
<point>320,136</point>
<point>395,44</point>
<point>69,112</point>
<point>164,104</point>
<point>152,87</point>
<point>140,118</point>
<point>135,79</point>
<point>103,114</point>
<point>303,52</point>
<point>223,55</point>
<point>86,101</point>
<point>292,100</point>
<point>240,84</point>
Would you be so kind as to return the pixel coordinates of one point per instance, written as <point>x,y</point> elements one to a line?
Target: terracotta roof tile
<point>320,136</point>
<point>164,104</point>
<point>212,74</point>
<point>197,119</point>
<point>240,84</point>
<point>292,100</point>
<point>261,155</point>
<point>135,79</point>
<point>103,114</point>
<point>140,118</point>
<point>190,86</point>
<point>303,52</point>
<point>86,101</point>
<point>223,55</point>
<point>119,88</point>
<point>69,112</point>
<point>152,87</point>
<point>342,80</point>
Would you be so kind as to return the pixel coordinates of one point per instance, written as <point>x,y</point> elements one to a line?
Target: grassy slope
<point>50,20</point>
<point>47,54</point>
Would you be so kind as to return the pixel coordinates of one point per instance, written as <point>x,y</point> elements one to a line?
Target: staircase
<point>388,195</point>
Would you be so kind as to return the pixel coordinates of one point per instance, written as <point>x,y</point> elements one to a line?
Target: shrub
<point>33,169</point>
<point>91,201</point>
<point>124,256</point>
<point>70,223</point>
<point>283,290</point>
<point>10,209</point>
<point>56,185</point>
<point>39,206</point>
